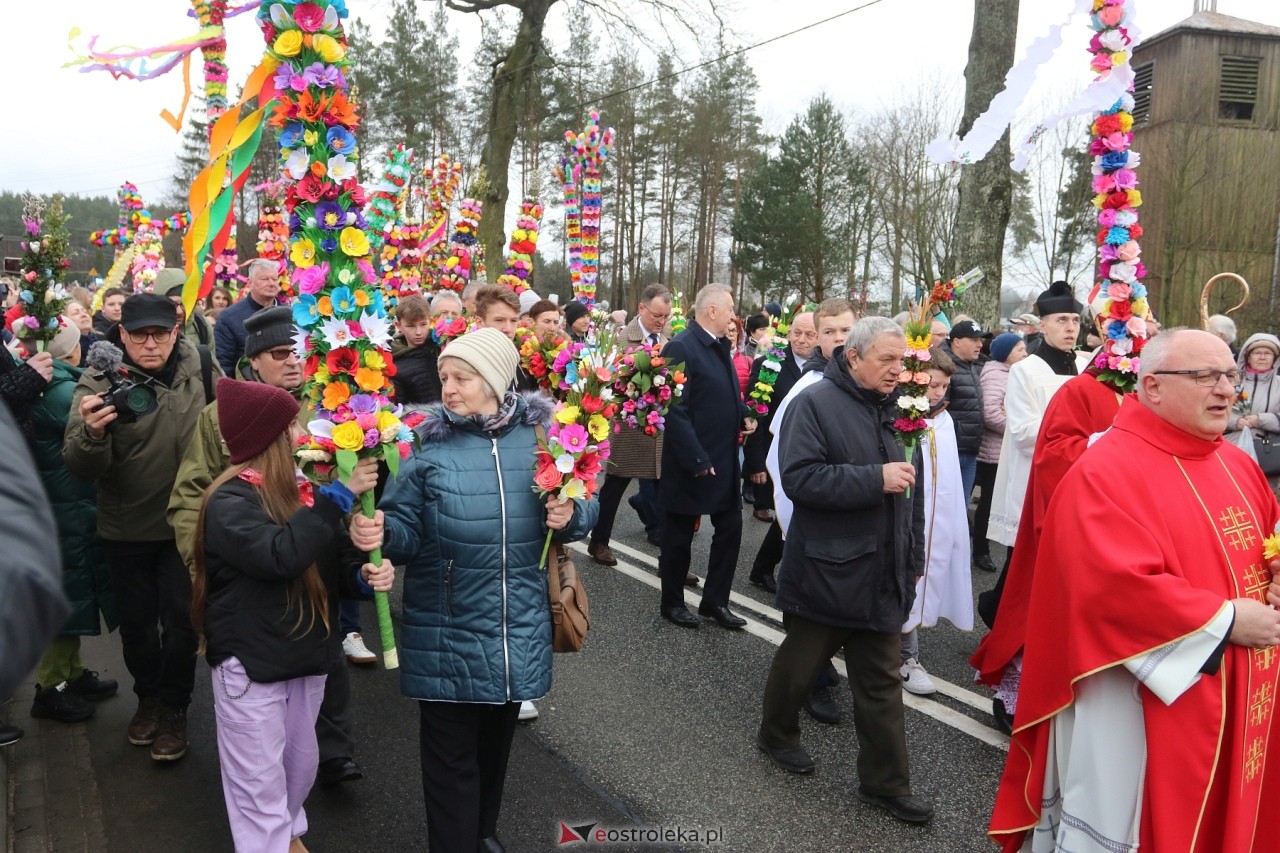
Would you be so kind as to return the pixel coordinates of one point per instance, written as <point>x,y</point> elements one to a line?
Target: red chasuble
<point>1145,539</point>
<point>1080,408</point>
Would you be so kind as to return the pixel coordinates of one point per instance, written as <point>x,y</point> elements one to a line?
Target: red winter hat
<point>252,415</point>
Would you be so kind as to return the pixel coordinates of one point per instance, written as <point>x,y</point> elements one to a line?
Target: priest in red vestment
<point>1150,669</point>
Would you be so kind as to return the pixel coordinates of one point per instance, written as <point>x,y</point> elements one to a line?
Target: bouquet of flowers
<point>774,355</point>
<point>913,383</point>
<point>1241,406</point>
<point>648,388</point>
<point>944,294</point>
<point>538,354</point>
<point>677,321</point>
<point>572,453</point>
<point>447,329</point>
<point>579,367</point>
<point>44,259</point>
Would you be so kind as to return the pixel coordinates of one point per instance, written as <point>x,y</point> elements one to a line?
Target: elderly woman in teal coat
<point>475,635</point>
<point>65,688</point>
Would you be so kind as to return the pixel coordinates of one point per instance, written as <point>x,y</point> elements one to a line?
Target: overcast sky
<point>87,133</point>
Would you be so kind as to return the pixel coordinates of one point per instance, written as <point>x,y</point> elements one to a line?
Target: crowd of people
<point>177,516</point>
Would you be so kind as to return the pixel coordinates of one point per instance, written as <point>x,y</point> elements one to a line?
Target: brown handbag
<point>570,615</point>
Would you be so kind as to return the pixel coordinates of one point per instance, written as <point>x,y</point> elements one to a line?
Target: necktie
<point>653,340</point>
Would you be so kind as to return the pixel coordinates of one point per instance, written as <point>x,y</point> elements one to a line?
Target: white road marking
<point>928,707</point>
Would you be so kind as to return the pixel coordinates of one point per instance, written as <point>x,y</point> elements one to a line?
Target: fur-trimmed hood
<point>533,408</point>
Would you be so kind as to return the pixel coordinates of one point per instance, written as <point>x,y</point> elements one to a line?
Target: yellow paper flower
<point>387,421</point>
<point>348,436</point>
<point>353,242</point>
<point>335,394</point>
<point>598,427</point>
<point>1141,308</point>
<point>303,253</point>
<point>921,343</point>
<point>328,47</point>
<point>573,489</point>
<point>1271,546</point>
<point>288,43</point>
<point>567,415</point>
<point>369,380</point>
<point>374,360</point>
<point>1099,200</point>
<point>310,137</point>
<point>1126,121</point>
<point>1135,198</point>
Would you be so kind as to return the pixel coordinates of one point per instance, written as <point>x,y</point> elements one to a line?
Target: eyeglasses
<point>1205,378</point>
<point>279,354</point>
<point>159,337</point>
<point>661,318</point>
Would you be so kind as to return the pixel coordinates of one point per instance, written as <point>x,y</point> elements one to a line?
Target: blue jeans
<point>968,474</point>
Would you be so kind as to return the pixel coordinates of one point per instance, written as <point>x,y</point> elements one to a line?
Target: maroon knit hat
<point>252,415</point>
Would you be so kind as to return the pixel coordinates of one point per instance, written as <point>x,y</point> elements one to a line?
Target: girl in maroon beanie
<point>269,553</point>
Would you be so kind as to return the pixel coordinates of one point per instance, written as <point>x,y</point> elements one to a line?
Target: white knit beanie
<point>490,353</point>
<point>62,344</point>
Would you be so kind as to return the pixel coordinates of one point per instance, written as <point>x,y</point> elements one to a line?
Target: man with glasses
<point>634,455</point>
<point>262,290</point>
<point>134,462</point>
<point>1151,666</point>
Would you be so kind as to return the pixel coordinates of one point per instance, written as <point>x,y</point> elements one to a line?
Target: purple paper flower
<point>372,438</point>
<point>32,226</point>
<point>324,76</point>
<point>363,404</point>
<point>330,216</point>
<point>288,78</point>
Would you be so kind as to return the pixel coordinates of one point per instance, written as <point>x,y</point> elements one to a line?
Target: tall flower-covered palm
<point>44,260</point>
<point>342,327</point>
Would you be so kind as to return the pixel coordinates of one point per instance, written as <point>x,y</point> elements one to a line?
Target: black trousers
<point>770,553</point>
<point>676,532</point>
<point>874,659</point>
<point>464,748</point>
<point>153,597</point>
<point>982,515</point>
<point>610,497</point>
<point>333,724</point>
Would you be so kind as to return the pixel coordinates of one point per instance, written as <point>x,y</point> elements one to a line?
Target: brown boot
<point>171,739</point>
<point>142,728</point>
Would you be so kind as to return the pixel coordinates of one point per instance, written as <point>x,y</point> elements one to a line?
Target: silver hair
<point>472,287</point>
<point>901,319</point>
<point>710,292</point>
<point>446,296</point>
<point>1224,327</point>
<point>865,331</point>
<point>265,263</point>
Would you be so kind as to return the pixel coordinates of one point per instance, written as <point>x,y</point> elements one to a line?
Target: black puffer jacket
<point>965,400</point>
<point>853,553</point>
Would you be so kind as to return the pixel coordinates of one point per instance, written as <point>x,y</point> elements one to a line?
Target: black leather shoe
<point>691,579</point>
<point>491,845</point>
<point>724,617</point>
<point>910,808</point>
<point>680,616</point>
<point>822,706</point>
<point>765,582</point>
<point>338,770</point>
<point>90,687</point>
<point>792,760</point>
<point>983,561</point>
<point>10,735</point>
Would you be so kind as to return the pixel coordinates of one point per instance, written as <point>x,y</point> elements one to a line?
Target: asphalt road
<point>649,731</point>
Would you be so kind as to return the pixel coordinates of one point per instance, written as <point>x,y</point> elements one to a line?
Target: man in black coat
<point>801,338</point>
<point>964,345</point>
<point>700,471</point>
<point>854,550</point>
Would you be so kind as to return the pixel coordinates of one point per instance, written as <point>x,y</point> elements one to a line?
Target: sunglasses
<point>279,354</point>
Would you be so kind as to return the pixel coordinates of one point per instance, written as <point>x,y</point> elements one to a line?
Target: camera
<point>131,398</point>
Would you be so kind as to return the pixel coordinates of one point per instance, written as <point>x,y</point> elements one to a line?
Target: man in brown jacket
<point>634,455</point>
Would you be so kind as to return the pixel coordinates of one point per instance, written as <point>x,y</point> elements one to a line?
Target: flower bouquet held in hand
<point>944,294</point>
<point>44,259</point>
<point>538,354</point>
<point>648,387</point>
<point>774,353</point>
<point>572,453</point>
<point>1242,405</point>
<point>913,382</point>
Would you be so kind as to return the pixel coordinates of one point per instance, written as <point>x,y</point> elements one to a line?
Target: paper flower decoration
<point>44,260</point>
<point>579,174</point>
<point>524,243</point>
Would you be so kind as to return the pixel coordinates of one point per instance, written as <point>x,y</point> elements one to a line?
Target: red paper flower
<point>343,360</point>
<point>309,17</point>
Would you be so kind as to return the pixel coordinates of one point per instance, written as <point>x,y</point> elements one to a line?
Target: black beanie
<point>268,328</point>
<point>574,311</point>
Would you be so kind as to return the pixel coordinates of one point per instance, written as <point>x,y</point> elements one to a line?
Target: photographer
<point>133,455</point>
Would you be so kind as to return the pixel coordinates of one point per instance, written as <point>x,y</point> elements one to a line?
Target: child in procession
<point>944,590</point>
<point>270,552</point>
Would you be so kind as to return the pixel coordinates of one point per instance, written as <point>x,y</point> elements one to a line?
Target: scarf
<point>492,424</point>
<point>305,493</point>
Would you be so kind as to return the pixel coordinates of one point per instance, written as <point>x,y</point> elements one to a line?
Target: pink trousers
<point>268,754</point>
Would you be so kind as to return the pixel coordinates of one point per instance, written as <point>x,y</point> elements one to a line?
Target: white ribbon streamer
<point>987,129</point>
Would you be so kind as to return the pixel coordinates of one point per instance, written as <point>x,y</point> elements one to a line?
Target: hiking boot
<point>171,736</point>
<point>89,686</point>
<point>145,722</point>
<point>59,703</point>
